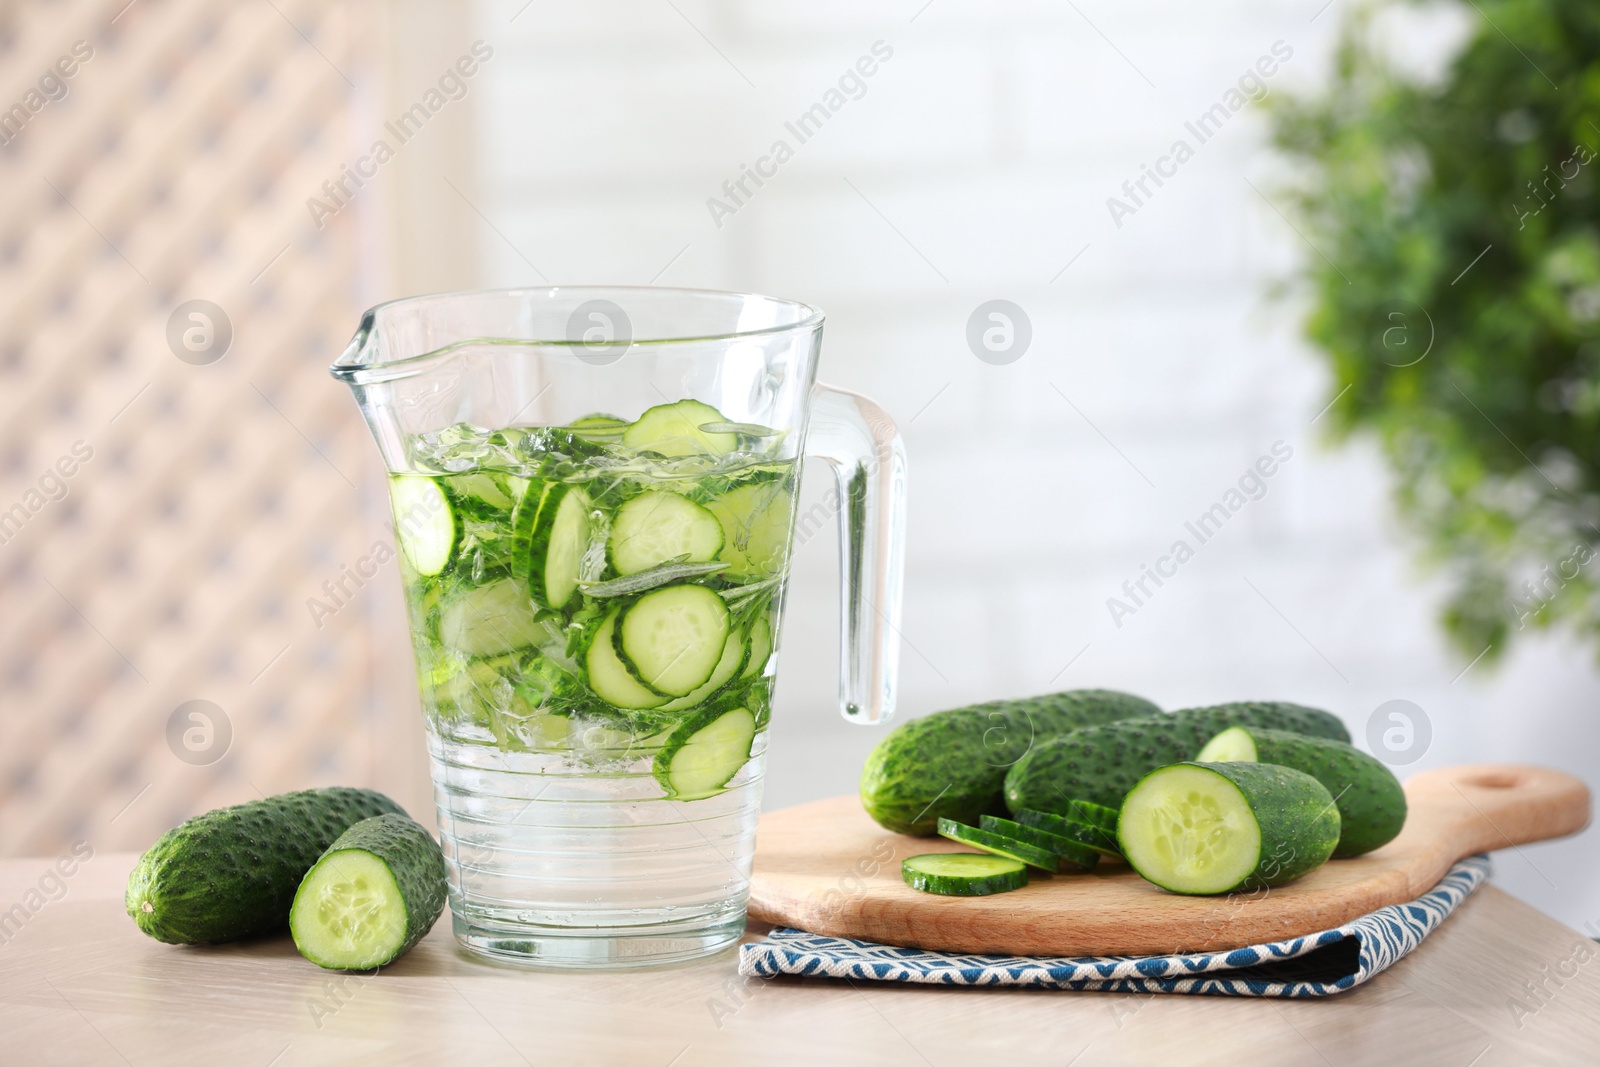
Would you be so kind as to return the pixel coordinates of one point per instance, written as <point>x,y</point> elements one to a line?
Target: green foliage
<point>1482,384</point>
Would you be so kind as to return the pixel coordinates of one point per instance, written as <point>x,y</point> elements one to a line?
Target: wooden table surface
<point>1498,983</point>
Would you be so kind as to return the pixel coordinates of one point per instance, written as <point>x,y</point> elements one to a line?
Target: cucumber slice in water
<point>490,620</point>
<point>658,526</point>
<point>1073,853</point>
<point>674,430</point>
<point>760,647</point>
<point>425,524</point>
<point>609,678</point>
<point>1098,838</point>
<point>671,639</point>
<point>998,845</point>
<point>963,874</point>
<point>376,891</point>
<point>559,543</point>
<point>755,525</point>
<point>733,657</point>
<point>1203,828</point>
<point>705,752</point>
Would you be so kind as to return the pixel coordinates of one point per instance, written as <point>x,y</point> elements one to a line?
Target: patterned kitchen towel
<point>1315,965</point>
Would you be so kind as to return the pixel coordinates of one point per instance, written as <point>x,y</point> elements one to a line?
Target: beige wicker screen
<point>164,520</point>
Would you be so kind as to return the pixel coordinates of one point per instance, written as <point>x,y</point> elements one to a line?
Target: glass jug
<point>594,495</point>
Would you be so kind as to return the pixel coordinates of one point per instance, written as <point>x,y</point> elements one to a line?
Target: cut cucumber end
<point>1233,745</point>
<point>963,874</point>
<point>1189,830</point>
<point>349,913</point>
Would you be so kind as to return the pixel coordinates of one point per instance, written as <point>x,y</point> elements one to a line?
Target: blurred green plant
<point>1456,294</point>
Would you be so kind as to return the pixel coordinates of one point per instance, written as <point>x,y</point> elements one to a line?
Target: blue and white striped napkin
<point>1316,965</point>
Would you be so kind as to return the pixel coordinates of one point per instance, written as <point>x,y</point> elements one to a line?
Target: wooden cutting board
<point>827,868</point>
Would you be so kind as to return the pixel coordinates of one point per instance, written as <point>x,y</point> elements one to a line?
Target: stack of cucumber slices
<point>1235,798</point>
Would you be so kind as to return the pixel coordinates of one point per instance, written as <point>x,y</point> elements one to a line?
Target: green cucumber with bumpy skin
<point>370,897</point>
<point>963,874</point>
<point>1372,806</point>
<point>1071,852</point>
<point>952,764</point>
<point>999,845</point>
<point>232,873</point>
<point>1207,828</point>
<point>1101,763</point>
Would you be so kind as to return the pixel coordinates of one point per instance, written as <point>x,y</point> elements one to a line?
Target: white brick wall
<point>991,141</point>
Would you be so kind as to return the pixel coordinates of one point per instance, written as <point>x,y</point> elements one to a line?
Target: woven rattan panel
<point>209,498</point>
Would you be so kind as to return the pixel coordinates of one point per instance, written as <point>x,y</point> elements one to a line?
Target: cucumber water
<point>593,609</point>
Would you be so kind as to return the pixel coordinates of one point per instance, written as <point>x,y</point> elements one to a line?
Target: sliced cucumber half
<point>963,874</point>
<point>705,752</point>
<point>610,680</point>
<point>672,638</point>
<point>1073,853</point>
<point>425,523</point>
<point>371,896</point>
<point>674,430</point>
<point>657,526</point>
<point>1204,828</point>
<point>999,845</point>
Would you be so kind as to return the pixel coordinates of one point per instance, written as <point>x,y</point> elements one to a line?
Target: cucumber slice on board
<point>1206,828</point>
<point>1098,838</point>
<point>490,620</point>
<point>963,874</point>
<point>760,647</point>
<point>705,752</point>
<point>672,638</point>
<point>376,891</point>
<point>610,680</point>
<point>425,523</point>
<point>998,845</point>
<point>1072,853</point>
<point>755,526</point>
<point>231,873</point>
<point>734,652</point>
<point>674,430</point>
<point>657,526</point>
<point>1092,814</point>
<point>1372,805</point>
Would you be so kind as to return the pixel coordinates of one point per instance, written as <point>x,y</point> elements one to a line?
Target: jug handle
<point>859,440</point>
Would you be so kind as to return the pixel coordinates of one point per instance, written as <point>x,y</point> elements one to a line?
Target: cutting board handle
<point>1498,805</point>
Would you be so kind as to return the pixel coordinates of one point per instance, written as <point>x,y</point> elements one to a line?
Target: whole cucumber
<point>1101,763</point>
<point>232,873</point>
<point>952,764</point>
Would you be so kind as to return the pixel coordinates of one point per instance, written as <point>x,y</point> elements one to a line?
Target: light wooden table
<point>80,985</point>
